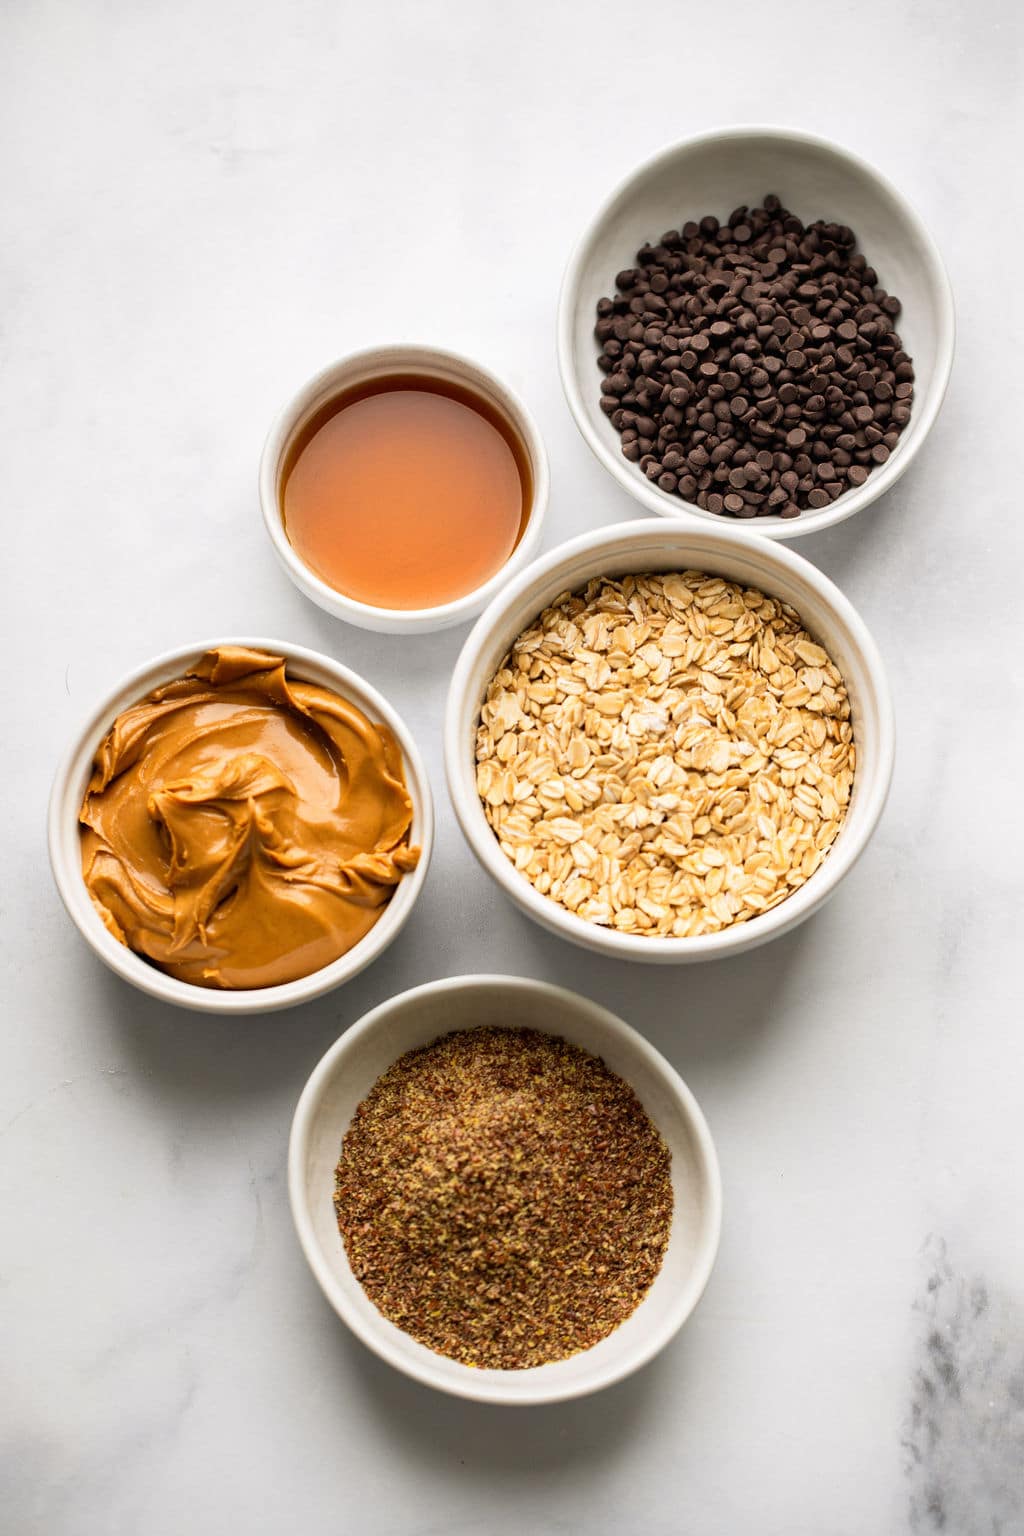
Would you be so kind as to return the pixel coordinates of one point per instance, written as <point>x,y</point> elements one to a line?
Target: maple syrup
<point>406,491</point>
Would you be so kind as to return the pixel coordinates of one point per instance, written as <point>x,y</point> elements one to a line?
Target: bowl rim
<point>850,502</point>
<point>380,361</point>
<point>768,925</point>
<point>476,1387</point>
<point>123,961</point>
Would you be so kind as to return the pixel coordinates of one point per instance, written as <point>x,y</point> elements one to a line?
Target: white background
<point>202,204</point>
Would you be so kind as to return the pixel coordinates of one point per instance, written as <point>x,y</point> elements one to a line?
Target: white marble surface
<point>202,203</point>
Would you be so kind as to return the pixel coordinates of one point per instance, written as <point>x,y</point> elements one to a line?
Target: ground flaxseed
<point>503,1197</point>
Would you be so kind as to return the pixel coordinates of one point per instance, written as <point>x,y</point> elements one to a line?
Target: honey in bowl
<point>406,491</point>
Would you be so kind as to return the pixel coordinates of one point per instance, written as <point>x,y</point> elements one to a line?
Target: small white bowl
<point>73,776</point>
<point>713,174</point>
<point>349,1070</point>
<point>650,545</point>
<point>357,368</point>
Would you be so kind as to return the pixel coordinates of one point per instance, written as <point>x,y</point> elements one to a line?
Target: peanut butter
<point>243,829</point>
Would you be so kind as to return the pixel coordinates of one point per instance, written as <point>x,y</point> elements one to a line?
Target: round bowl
<point>358,368</point>
<point>69,788</point>
<point>347,1073</point>
<point>712,174</point>
<point>650,545</point>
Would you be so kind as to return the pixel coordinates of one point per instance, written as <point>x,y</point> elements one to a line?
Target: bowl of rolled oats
<point>669,744</point>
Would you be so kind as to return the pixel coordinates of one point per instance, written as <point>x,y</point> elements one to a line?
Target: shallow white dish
<point>349,1070</point>
<point>714,173</point>
<point>69,787</point>
<point>357,368</point>
<point>658,546</point>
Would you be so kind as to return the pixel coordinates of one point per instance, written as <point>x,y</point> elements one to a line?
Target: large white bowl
<point>347,1073</point>
<point>658,546</point>
<point>358,368</point>
<point>73,776</point>
<point>713,174</point>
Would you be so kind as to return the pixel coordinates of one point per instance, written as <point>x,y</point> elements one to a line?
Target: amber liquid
<point>406,492</point>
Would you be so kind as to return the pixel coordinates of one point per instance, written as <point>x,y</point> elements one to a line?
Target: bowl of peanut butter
<point>240,826</point>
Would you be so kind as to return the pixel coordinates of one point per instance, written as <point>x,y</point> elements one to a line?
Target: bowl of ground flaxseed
<point>504,1190</point>
<point>669,743</point>
<point>756,327</point>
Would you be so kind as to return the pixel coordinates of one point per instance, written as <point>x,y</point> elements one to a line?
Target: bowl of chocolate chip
<point>756,327</point>
<point>240,826</point>
<point>504,1190</point>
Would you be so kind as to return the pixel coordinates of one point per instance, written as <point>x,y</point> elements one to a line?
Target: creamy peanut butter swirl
<point>242,829</point>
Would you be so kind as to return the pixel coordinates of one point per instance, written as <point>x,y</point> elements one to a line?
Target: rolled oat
<point>666,754</point>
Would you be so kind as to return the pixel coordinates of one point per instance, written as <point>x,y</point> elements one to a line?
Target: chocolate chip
<point>759,356</point>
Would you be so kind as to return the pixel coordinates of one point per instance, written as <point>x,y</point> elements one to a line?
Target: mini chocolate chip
<point>771,353</point>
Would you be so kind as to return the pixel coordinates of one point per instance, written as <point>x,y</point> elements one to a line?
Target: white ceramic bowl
<point>69,787</point>
<point>347,1073</point>
<point>713,174</point>
<point>357,368</point>
<point>658,546</point>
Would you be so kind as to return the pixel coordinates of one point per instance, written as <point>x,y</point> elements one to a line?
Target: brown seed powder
<point>503,1197</point>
